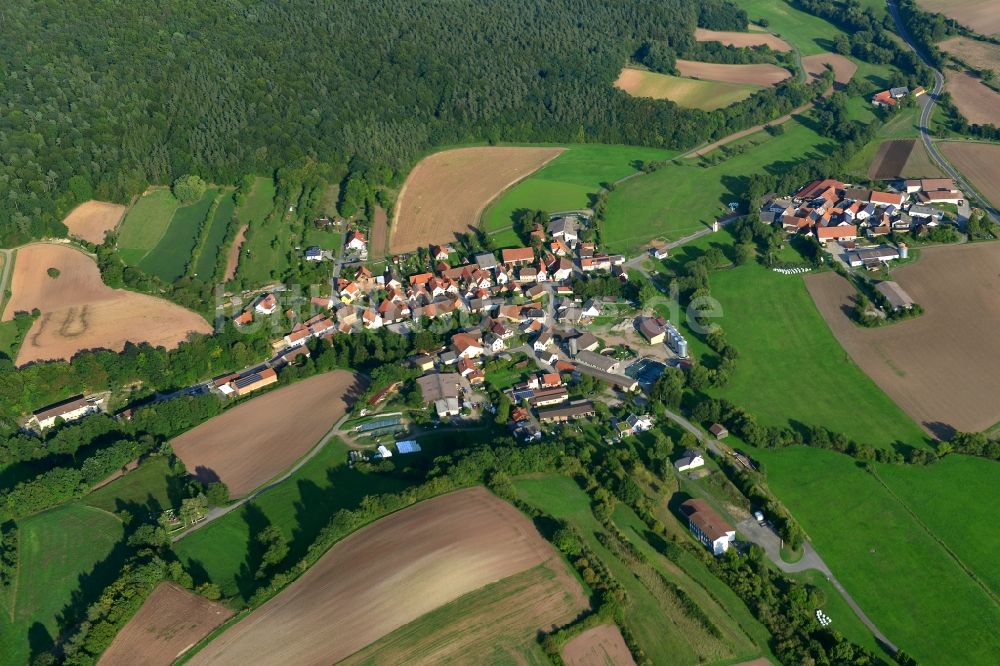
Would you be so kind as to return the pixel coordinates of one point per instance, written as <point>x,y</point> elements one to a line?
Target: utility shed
<point>896,295</point>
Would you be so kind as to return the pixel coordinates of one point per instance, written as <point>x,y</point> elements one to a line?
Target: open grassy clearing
<point>663,630</point>
<point>215,235</point>
<point>169,622</point>
<point>446,192</point>
<point>173,251</point>
<point>953,387</point>
<point>145,223</point>
<point>569,181</point>
<point>809,34</point>
<point>687,92</point>
<point>495,624</point>
<point>789,362</point>
<point>263,256</point>
<point>251,443</point>
<point>149,488</point>
<point>902,125</point>
<point>900,575</point>
<point>300,507</point>
<point>680,199</point>
<point>64,553</point>
<point>388,574</point>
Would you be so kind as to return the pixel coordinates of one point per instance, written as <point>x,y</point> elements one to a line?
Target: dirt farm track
<point>446,192</point>
<point>250,444</point>
<point>80,312</point>
<point>942,368</point>
<point>384,576</point>
<point>170,621</point>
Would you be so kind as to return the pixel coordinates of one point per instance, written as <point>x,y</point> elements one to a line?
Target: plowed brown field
<point>446,192</point>
<point>170,621</point>
<point>942,368</point>
<point>978,103</point>
<point>80,312</point>
<point>981,55</point>
<point>980,15</point>
<point>250,444</point>
<point>741,39</point>
<point>91,219</point>
<point>384,576</point>
<point>843,67</point>
<point>980,163</point>
<point>379,241</point>
<point>758,74</point>
<point>599,646</point>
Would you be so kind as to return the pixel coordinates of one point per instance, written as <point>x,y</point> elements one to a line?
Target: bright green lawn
<point>270,237</point>
<point>567,182</point>
<point>651,624</point>
<point>62,551</point>
<point>147,489</point>
<point>171,254</point>
<point>791,368</point>
<point>300,506</point>
<point>903,579</point>
<point>259,201</point>
<point>679,200</point>
<point>810,34</point>
<point>12,335</point>
<point>215,235</point>
<point>902,125</point>
<point>956,499</point>
<point>145,223</point>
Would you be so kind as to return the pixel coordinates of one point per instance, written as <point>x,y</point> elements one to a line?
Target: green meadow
<point>900,556</point>
<point>171,254</point>
<point>145,224</point>
<point>809,34</point>
<point>214,235</point>
<point>65,555</point>
<point>662,629</point>
<point>569,181</point>
<point>300,507</point>
<point>684,197</point>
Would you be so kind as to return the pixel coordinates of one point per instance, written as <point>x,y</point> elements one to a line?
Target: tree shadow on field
<point>246,579</point>
<point>942,431</point>
<point>735,186</point>
<point>40,640</point>
<point>90,586</point>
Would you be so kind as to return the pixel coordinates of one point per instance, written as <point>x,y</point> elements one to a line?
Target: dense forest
<point>104,97</point>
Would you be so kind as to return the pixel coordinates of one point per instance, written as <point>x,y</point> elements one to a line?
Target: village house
<point>518,256</point>
<point>652,330</point>
<point>441,390</point>
<point>253,381</point>
<point>575,410</point>
<point>718,431</point>
<point>692,459</point>
<point>356,242</point>
<point>466,345</point>
<point>896,296</point>
<point>598,361</point>
<point>72,409</point>
<point>708,526</point>
<point>243,318</point>
<point>564,229</point>
<point>266,304</point>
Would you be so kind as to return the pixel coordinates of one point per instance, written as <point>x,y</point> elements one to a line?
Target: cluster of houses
<point>834,211</point>
<point>888,99</point>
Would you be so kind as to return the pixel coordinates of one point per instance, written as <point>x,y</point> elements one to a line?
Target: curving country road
<point>927,103</point>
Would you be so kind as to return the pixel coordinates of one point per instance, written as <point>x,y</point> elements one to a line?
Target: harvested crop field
<point>980,15</point>
<point>80,312</point>
<point>92,219</point>
<point>446,192</point>
<point>233,259</point>
<point>979,103</point>
<point>755,75</point>
<point>498,623</point>
<point>741,39</point>
<point>378,242</point>
<point>250,444</point>
<point>169,622</point>
<point>974,53</point>
<point>942,368</point>
<point>384,576</point>
<point>689,93</point>
<point>979,162</point>
<point>596,647</point>
<point>891,159</point>
<point>843,67</point>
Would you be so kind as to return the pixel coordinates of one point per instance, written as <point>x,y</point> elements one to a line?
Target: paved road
<point>927,102</point>
<point>771,543</point>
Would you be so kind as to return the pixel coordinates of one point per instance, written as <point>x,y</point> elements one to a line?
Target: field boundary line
<point>916,518</point>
